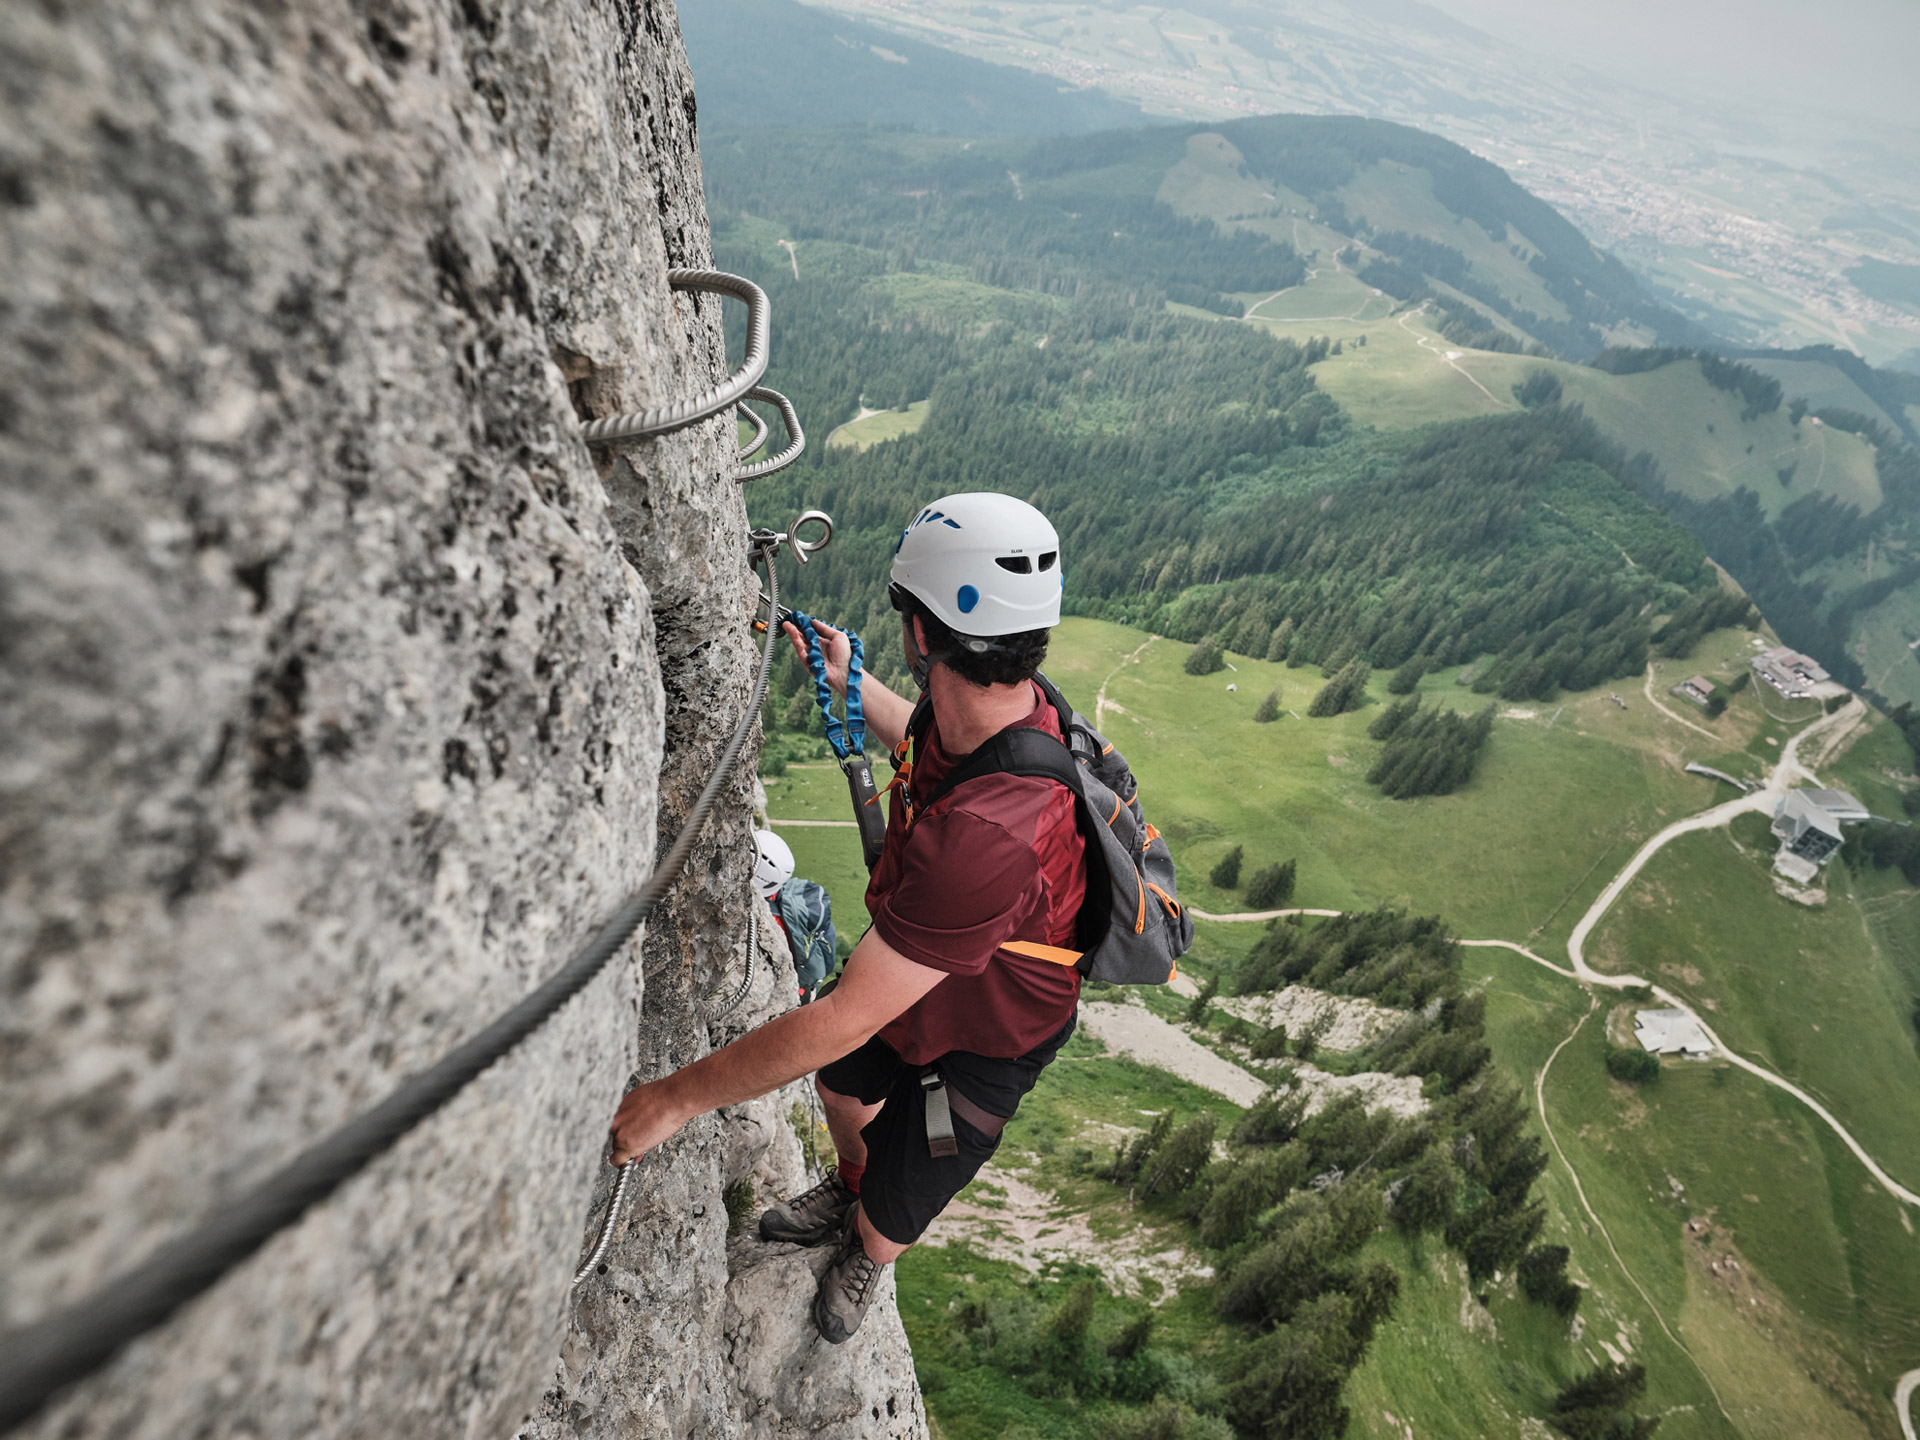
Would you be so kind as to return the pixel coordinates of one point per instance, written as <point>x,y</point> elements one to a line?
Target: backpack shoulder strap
<point>916,731</point>
<point>1059,702</point>
<point>1021,750</point>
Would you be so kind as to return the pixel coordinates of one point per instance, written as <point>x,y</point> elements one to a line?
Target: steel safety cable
<point>732,1003</point>
<point>664,419</point>
<point>713,1012</point>
<point>38,1359</point>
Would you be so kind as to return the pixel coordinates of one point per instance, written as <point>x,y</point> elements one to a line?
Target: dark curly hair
<point>1006,660</point>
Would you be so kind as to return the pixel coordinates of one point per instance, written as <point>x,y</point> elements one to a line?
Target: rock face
<point>343,691</point>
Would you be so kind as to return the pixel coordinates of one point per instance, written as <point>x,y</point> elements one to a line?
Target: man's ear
<point>919,633</point>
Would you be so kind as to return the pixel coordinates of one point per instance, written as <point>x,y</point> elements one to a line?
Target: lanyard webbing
<point>848,737</point>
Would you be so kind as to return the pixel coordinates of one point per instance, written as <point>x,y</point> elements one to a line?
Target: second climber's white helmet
<point>774,867</point>
<point>985,564</point>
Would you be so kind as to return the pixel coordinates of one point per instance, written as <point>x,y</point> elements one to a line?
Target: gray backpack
<point>807,911</point>
<point>1132,927</point>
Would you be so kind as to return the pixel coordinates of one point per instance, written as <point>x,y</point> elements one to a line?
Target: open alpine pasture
<point>1793,1300</point>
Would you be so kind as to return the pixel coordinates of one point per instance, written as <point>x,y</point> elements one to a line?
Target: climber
<point>801,908</point>
<point>924,1049</point>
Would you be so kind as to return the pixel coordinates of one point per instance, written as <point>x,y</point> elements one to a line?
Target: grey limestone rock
<point>343,691</point>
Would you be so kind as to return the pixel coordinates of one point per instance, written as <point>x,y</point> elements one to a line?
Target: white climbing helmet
<point>985,564</point>
<point>774,867</point>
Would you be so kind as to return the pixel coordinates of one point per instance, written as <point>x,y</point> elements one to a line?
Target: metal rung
<point>796,438</point>
<point>667,418</point>
<point>760,431</point>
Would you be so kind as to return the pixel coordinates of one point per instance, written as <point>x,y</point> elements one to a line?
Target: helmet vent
<point>1018,564</point>
<point>1046,560</point>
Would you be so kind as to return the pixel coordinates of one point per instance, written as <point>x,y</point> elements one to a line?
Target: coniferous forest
<point>1203,486</point>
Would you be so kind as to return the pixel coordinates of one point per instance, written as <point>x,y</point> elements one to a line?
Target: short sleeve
<point>966,886</point>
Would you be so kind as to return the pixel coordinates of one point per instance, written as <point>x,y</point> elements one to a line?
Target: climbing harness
<point>663,420</point>
<point>848,738</point>
<point>40,1358</point>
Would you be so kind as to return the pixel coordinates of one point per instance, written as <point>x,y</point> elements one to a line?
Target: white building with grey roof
<point>1807,824</point>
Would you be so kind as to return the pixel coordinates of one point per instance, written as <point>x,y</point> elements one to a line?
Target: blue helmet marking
<point>967,599</point>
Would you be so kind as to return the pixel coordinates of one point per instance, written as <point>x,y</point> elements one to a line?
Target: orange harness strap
<point>1033,950</point>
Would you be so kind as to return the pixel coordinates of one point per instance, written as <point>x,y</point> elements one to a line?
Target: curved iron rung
<point>752,417</point>
<point>796,437</point>
<point>667,418</point>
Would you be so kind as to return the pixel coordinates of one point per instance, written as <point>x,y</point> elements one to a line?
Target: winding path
<point>1100,701</point>
<point>1449,358</point>
<point>1654,701</point>
<point>1540,1101</point>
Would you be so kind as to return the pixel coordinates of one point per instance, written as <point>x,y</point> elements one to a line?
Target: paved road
<point>1903,1401</point>
<point>1780,780</point>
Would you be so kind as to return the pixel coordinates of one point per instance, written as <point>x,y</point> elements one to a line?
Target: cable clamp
<point>762,542</point>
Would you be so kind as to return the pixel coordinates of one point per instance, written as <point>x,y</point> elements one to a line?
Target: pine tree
<point>1226,874</point>
<point>1181,1158</point>
<point>1409,675</point>
<point>1205,658</point>
<point>1345,691</point>
<point>1269,709</point>
<point>1282,639</point>
<point>1197,1008</point>
<point>1272,887</point>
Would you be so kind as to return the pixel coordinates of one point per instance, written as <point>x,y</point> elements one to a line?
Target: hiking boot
<point>847,1287</point>
<point>813,1217</point>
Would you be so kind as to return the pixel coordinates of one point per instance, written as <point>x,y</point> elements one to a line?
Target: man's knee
<point>832,1098</point>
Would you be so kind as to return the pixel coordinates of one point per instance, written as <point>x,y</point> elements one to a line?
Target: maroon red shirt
<point>998,859</point>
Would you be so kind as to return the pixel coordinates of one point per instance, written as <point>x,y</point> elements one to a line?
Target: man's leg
<point>846,1118</point>
<point>880,1250</point>
<point>818,1216</point>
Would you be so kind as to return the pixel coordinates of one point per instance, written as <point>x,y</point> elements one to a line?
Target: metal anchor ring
<point>803,548</point>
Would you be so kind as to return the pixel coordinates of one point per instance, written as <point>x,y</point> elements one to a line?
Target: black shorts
<point>905,1187</point>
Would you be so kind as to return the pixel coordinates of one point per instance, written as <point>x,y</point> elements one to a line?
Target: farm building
<point>1788,671</point>
<point>1696,688</point>
<point>1807,824</point>
<point>1839,804</point>
<point>1671,1032</point>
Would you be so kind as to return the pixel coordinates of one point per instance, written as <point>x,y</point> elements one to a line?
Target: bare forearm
<point>781,1051</point>
<point>877,984</point>
<point>887,713</point>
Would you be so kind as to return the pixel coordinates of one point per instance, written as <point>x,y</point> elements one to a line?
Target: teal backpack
<point>807,911</point>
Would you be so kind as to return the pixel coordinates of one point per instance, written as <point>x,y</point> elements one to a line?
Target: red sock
<point>849,1174</point>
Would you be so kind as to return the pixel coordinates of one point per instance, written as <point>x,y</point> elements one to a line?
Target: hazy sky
<point>1861,55</point>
